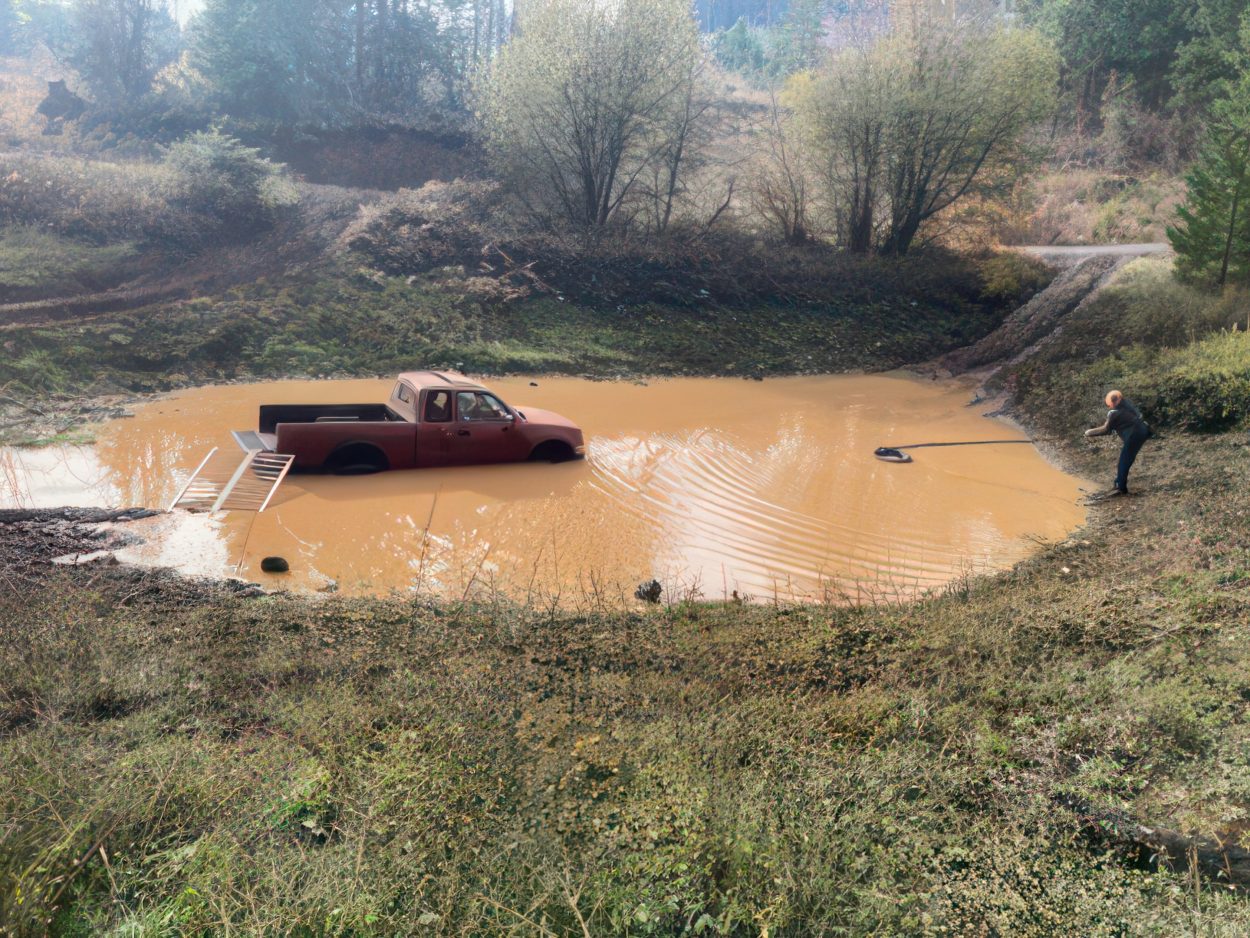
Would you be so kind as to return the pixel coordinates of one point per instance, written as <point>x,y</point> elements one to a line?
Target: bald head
<point>1114,398</point>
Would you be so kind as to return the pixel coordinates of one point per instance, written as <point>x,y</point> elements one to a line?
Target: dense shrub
<point>220,191</point>
<point>467,224</point>
<point>1011,276</point>
<point>1205,386</point>
<point>1070,205</point>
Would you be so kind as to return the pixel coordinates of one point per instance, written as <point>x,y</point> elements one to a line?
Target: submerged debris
<point>275,565</point>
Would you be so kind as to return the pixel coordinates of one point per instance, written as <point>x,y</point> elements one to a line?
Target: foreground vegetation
<point>178,759</point>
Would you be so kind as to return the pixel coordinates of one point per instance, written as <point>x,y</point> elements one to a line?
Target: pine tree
<point>799,42</point>
<point>739,49</point>
<point>1212,240</point>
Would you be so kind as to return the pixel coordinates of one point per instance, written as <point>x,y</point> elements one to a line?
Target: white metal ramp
<point>223,483</point>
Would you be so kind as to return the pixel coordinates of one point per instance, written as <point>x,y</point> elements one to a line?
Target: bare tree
<point>780,191</point>
<point>912,124</point>
<point>589,99</point>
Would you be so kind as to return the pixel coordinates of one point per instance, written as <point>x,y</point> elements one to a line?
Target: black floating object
<point>649,592</point>
<point>533,384</point>
<point>275,565</point>
<point>890,454</point>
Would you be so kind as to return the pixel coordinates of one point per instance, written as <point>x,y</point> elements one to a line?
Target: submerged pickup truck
<point>432,418</point>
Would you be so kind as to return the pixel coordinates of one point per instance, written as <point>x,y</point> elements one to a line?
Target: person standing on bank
<point>1126,420</point>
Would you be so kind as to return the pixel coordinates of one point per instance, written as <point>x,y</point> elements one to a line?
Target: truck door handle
<point>463,433</point>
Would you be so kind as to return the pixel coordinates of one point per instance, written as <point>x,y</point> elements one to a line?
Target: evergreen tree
<point>799,43</point>
<point>740,49</point>
<point>118,46</point>
<point>1212,240</point>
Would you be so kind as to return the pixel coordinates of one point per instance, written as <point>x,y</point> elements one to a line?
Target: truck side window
<point>402,392</point>
<point>492,408</point>
<point>466,406</point>
<point>478,406</point>
<point>438,407</point>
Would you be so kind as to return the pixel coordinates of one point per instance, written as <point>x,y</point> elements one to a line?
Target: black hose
<point>966,443</point>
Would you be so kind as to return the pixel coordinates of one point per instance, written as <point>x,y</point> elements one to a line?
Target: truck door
<point>435,430</point>
<point>484,431</point>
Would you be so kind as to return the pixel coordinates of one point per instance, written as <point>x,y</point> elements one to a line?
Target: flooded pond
<point>712,486</point>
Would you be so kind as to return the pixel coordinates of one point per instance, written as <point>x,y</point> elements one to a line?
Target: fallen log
<point>1159,848</point>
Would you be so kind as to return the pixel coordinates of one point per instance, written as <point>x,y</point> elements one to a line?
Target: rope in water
<point>965,443</point>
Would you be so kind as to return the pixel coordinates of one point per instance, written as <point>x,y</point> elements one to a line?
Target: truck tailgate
<point>250,440</point>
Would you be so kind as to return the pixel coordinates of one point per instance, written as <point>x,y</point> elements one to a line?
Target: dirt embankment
<point>300,237</point>
<point>1037,320</point>
<point>1083,272</point>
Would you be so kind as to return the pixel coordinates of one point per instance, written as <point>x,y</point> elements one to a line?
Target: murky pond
<point>711,486</point>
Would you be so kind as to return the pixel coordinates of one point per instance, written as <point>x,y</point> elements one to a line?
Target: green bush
<point>1012,276</point>
<point>1205,386</point>
<point>220,190</point>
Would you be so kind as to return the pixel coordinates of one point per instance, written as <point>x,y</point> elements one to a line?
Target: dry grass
<point>1091,206</point>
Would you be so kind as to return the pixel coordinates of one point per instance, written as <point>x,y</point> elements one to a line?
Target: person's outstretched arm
<point>1101,431</point>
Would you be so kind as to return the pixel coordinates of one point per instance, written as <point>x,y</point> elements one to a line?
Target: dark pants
<point>1128,454</point>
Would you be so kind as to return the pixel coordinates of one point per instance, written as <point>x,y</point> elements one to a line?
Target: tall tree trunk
<point>860,234</point>
<point>1231,235</point>
<point>360,50</point>
<point>900,239</point>
<point>477,32</point>
<point>380,69</point>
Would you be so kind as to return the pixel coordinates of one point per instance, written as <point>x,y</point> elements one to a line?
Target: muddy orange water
<point>711,486</point>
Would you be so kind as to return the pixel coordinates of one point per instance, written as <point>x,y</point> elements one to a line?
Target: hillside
<point>1055,748</point>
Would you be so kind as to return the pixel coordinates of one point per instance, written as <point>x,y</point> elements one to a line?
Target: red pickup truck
<point>432,418</point>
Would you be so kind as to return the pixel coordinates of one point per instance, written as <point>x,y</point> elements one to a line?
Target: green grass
<point>33,261</point>
<point>1167,345</point>
<point>344,320</point>
<point>335,767</point>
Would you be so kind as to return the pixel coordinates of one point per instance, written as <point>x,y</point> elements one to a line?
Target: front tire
<point>552,451</point>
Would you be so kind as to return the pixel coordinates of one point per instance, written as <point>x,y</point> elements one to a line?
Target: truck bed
<point>273,414</point>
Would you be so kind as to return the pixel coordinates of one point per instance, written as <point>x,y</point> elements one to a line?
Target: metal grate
<point>221,484</point>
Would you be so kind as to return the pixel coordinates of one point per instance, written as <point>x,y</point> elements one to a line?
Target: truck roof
<point>439,379</point>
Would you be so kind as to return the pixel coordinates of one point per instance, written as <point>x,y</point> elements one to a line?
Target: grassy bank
<point>345,319</point>
<point>1181,353</point>
<point>183,759</point>
<point>177,759</point>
